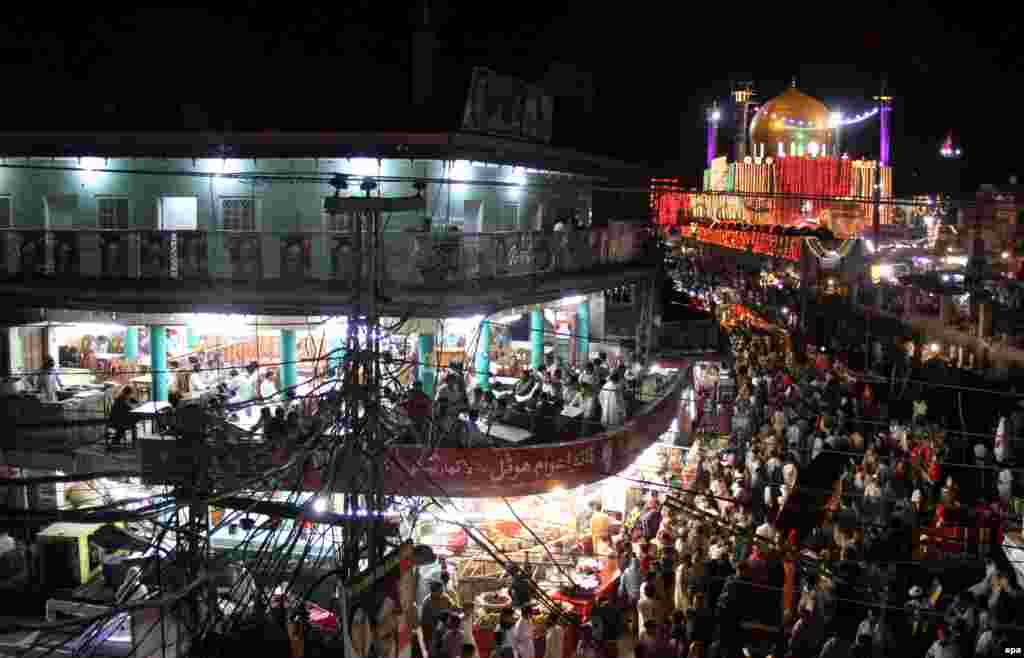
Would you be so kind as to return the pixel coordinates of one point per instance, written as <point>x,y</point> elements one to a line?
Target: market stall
<point>546,537</point>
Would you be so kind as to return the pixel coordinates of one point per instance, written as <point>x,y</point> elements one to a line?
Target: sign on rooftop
<point>507,107</point>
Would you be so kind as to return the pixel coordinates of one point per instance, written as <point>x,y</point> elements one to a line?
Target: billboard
<point>507,107</point>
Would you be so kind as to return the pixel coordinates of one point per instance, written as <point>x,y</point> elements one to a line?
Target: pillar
<point>158,362</point>
<point>884,146</point>
<point>425,355</point>
<point>583,331</point>
<point>289,359</point>
<point>191,339</point>
<point>131,343</point>
<point>337,353</point>
<point>483,356</point>
<point>537,337</point>
<point>713,116</point>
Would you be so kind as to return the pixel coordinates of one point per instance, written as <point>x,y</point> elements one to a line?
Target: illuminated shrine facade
<point>794,177</point>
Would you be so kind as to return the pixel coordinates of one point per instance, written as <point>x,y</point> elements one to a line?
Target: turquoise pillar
<point>337,351</point>
<point>191,339</point>
<point>158,362</point>
<point>289,359</point>
<point>424,355</point>
<point>537,337</point>
<point>483,356</point>
<point>131,343</point>
<point>583,331</point>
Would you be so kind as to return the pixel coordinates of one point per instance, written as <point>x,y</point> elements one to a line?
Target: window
<point>61,210</point>
<point>179,213</point>
<point>6,212</point>
<point>509,219</point>
<point>238,214</point>
<point>338,222</point>
<point>113,212</point>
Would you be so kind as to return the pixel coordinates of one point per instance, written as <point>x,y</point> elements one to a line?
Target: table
<point>146,411</point>
<point>503,431</point>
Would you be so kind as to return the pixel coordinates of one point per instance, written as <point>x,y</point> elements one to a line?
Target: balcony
<point>282,271</point>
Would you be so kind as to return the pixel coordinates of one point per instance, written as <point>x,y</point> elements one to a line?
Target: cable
<point>659,188</point>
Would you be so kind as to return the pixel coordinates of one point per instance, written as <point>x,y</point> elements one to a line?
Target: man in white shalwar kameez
<point>613,402</point>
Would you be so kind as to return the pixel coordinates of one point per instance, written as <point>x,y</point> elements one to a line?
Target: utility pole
<point>357,471</point>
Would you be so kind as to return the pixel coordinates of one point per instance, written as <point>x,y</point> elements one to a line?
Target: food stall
<point>545,536</point>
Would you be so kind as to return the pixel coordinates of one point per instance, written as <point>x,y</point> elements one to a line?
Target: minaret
<point>884,109</point>
<point>424,48</point>
<point>714,116</point>
<point>743,94</point>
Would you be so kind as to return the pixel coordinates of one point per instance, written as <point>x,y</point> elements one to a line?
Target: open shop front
<point>555,554</point>
<point>548,545</point>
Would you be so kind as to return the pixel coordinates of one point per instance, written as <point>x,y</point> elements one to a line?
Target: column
<point>158,361</point>
<point>483,356</point>
<point>583,331</point>
<point>289,359</point>
<point>425,357</point>
<point>537,337</point>
<point>337,353</point>
<point>131,344</point>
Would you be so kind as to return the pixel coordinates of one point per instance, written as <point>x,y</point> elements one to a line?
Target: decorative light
<point>90,167</point>
<point>1006,255</point>
<point>716,115</point>
<point>319,505</point>
<point>364,166</point>
<point>221,166</point>
<point>461,169</point>
<point>518,176</point>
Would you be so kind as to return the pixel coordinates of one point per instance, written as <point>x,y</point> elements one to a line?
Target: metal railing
<point>407,259</point>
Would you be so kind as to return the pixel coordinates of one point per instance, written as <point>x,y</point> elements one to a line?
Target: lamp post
<point>837,133</point>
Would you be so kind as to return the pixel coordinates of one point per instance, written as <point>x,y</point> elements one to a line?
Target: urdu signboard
<point>507,107</point>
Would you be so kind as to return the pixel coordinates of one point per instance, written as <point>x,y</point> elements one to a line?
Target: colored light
<point>716,115</point>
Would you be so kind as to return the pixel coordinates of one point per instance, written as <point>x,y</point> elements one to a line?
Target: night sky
<point>654,71</point>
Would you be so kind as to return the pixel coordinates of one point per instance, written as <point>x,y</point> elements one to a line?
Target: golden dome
<point>792,116</point>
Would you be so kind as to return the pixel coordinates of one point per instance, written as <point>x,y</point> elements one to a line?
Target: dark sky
<point>654,69</point>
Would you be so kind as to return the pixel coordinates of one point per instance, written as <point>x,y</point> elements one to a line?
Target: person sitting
<point>47,382</point>
<point>589,375</point>
<point>120,414</point>
<point>448,394</point>
<point>553,385</point>
<point>527,389</point>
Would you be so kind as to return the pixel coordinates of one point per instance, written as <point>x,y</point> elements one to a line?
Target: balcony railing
<point>407,259</point>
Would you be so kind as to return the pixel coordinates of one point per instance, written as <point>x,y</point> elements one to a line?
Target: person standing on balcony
<point>247,385</point>
<point>613,402</point>
<point>268,389</point>
<point>47,382</point>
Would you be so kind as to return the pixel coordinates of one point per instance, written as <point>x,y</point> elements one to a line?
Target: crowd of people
<point>554,402</point>
<point>720,566</point>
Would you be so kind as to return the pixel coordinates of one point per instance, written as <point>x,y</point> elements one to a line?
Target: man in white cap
<point>916,606</point>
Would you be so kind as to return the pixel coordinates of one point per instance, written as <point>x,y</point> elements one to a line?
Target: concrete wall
<point>284,205</point>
